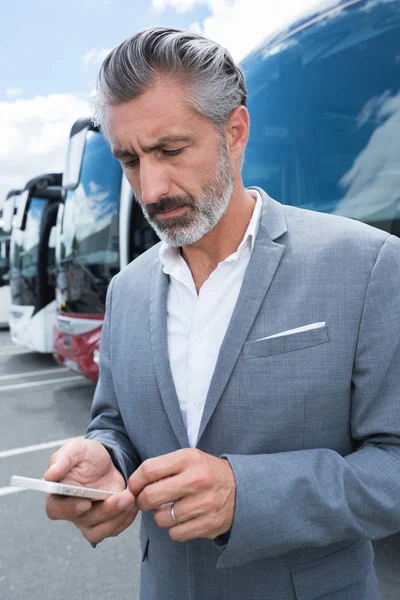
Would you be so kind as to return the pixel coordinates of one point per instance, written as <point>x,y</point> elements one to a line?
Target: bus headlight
<point>96,357</point>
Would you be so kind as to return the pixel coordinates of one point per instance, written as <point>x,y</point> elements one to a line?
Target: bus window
<point>331,106</point>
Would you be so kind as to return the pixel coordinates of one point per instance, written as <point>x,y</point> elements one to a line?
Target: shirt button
<point>200,338</point>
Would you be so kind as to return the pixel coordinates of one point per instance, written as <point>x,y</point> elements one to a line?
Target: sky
<point>51,51</point>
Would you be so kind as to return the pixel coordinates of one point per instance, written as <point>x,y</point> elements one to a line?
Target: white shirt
<point>197,323</point>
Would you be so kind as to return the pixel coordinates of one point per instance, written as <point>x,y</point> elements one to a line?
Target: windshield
<point>89,240</point>
<point>325,116</point>
<point>25,256</point>
<point>4,261</point>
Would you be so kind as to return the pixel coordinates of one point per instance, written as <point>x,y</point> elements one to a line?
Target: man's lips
<point>174,212</point>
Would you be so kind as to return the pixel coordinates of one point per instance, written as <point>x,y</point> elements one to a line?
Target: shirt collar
<point>171,257</point>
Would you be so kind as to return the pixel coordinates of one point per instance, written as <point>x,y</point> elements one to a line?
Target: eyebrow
<point>161,142</point>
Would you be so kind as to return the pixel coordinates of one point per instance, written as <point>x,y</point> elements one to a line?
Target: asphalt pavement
<point>41,405</point>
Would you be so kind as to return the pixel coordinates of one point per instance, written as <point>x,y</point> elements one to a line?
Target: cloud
<point>373,182</point>
<point>240,25</point>
<point>180,5</point>
<point>13,92</point>
<point>95,56</point>
<point>35,135</point>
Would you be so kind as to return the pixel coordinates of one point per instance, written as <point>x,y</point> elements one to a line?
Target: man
<point>250,362</point>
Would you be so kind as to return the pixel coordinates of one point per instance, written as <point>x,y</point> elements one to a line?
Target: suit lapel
<point>159,341</point>
<point>260,272</point>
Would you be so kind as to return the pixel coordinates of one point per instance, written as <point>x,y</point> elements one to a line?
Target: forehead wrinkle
<point>158,143</point>
<point>166,139</point>
<point>121,153</point>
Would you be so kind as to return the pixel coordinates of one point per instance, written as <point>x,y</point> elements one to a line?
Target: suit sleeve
<point>106,425</point>
<point>317,497</point>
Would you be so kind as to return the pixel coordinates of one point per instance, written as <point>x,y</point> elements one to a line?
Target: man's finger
<point>72,509</point>
<point>193,529</point>
<point>64,508</point>
<point>165,491</point>
<point>103,513</point>
<point>127,523</point>
<point>110,528</point>
<point>185,509</point>
<point>154,469</point>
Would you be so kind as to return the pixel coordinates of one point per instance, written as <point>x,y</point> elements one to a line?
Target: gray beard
<point>207,211</point>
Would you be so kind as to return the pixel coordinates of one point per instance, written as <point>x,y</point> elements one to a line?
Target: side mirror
<point>22,204</point>
<point>75,151</point>
<point>8,213</point>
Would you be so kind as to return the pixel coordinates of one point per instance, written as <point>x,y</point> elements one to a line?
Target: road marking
<point>20,386</point>
<point>16,350</point>
<point>33,373</point>
<point>11,490</point>
<point>35,448</point>
<point>5,491</point>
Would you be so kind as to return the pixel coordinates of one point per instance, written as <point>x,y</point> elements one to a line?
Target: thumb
<point>62,462</point>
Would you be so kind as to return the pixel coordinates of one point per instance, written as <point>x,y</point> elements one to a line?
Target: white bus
<point>6,221</point>
<point>32,262</point>
<point>5,301</point>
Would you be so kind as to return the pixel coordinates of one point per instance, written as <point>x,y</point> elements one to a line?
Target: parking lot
<point>41,405</point>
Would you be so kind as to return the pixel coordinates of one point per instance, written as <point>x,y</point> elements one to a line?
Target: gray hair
<point>215,82</point>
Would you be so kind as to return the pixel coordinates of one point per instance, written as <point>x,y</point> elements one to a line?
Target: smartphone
<point>51,487</point>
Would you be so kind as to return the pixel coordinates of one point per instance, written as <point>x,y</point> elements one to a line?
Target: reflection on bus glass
<point>25,248</point>
<point>4,262</point>
<point>325,116</point>
<point>143,236</point>
<point>90,232</point>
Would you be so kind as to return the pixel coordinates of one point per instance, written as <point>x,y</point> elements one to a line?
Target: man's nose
<point>154,181</point>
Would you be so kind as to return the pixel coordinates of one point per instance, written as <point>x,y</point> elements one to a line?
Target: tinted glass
<point>4,261</point>
<point>25,249</point>
<point>143,236</point>
<point>89,253</point>
<point>325,116</point>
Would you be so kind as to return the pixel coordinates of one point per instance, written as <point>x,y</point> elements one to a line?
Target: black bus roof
<point>46,186</point>
<point>82,124</point>
<point>13,193</point>
<point>41,182</point>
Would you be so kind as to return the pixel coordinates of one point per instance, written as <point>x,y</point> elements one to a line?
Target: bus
<point>5,301</point>
<point>32,263</point>
<point>100,229</point>
<point>324,103</point>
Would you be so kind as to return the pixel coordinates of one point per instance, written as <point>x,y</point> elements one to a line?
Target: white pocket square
<point>296,330</point>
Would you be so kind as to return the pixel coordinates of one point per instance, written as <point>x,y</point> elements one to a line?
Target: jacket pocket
<point>334,572</point>
<point>144,540</point>
<point>285,343</point>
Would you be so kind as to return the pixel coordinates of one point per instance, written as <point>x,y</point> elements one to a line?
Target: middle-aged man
<point>250,363</point>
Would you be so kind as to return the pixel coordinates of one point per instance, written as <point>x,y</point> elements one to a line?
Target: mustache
<point>166,204</point>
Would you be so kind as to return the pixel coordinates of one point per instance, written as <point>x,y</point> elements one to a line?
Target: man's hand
<point>202,486</point>
<point>87,463</point>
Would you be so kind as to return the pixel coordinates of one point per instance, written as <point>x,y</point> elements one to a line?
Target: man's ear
<point>237,131</point>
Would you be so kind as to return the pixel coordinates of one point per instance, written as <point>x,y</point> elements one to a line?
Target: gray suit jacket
<point>310,421</point>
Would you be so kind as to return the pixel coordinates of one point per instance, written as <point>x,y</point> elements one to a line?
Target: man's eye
<point>173,152</point>
<point>131,163</point>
